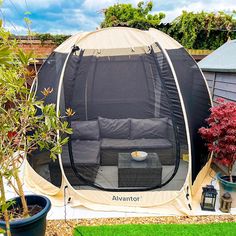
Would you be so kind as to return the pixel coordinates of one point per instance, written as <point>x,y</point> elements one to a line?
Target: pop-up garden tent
<point>131,90</point>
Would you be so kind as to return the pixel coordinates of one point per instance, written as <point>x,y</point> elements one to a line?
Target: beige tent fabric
<point>163,202</point>
<point>118,38</point>
<point>165,40</point>
<point>177,206</point>
<point>66,46</point>
<point>37,183</point>
<point>115,37</point>
<point>116,52</point>
<point>201,177</point>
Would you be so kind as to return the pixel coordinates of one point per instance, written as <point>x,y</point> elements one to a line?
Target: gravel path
<point>62,228</point>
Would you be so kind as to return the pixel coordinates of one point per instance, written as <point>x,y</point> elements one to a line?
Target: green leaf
<point>25,58</point>
<point>64,141</point>
<point>57,149</point>
<point>69,130</point>
<point>5,55</point>
<point>48,122</point>
<point>27,21</point>
<point>53,156</point>
<point>6,205</point>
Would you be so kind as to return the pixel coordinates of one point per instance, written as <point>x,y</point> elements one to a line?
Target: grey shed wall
<point>221,84</point>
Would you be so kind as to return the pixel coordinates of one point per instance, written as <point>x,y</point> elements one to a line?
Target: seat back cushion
<point>148,128</point>
<point>114,128</point>
<point>85,130</point>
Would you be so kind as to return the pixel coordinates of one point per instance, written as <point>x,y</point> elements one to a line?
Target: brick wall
<point>41,50</point>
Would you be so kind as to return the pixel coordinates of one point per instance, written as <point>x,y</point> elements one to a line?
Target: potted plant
<point>26,124</point>
<point>221,140</point>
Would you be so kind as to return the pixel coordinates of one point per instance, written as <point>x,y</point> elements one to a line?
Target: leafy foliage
<point>26,124</point>
<point>221,133</point>
<point>203,30</point>
<point>25,58</point>
<point>18,109</point>
<point>56,39</point>
<point>135,17</point>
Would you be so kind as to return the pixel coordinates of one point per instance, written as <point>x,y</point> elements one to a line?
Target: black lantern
<point>208,200</point>
<point>225,202</point>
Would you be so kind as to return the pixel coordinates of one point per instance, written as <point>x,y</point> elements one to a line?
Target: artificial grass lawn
<point>223,229</point>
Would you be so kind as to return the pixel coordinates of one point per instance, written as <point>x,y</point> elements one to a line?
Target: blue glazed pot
<point>34,225</point>
<point>227,186</point>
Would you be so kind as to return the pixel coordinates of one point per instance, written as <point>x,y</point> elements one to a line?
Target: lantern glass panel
<point>208,202</point>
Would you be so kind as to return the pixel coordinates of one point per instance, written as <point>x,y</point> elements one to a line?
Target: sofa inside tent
<point>131,90</point>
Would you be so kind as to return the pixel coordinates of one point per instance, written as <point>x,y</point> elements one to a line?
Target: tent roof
<point>221,60</point>
<point>118,38</point>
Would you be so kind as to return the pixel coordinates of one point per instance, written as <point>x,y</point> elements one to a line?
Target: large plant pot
<point>34,225</point>
<point>227,186</point>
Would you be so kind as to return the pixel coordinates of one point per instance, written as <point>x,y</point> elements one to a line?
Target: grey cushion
<point>135,143</point>
<point>85,130</point>
<point>114,128</point>
<point>86,152</point>
<point>148,128</point>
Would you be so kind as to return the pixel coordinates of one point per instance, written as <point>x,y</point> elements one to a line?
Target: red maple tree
<point>221,133</point>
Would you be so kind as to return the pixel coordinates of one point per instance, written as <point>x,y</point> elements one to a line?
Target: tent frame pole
<point>182,106</point>
<point>175,126</point>
<point>74,48</point>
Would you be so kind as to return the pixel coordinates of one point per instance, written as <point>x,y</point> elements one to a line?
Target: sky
<point>72,16</point>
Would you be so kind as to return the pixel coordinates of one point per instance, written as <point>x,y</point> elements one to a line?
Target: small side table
<point>133,173</point>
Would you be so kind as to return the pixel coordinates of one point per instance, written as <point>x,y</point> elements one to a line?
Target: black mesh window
<point>125,105</point>
<point>128,128</point>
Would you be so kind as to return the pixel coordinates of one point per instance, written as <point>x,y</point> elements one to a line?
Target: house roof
<point>221,60</point>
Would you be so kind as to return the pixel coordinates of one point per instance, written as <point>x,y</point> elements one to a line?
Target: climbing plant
<point>200,30</point>
<point>203,30</point>
<point>127,15</point>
